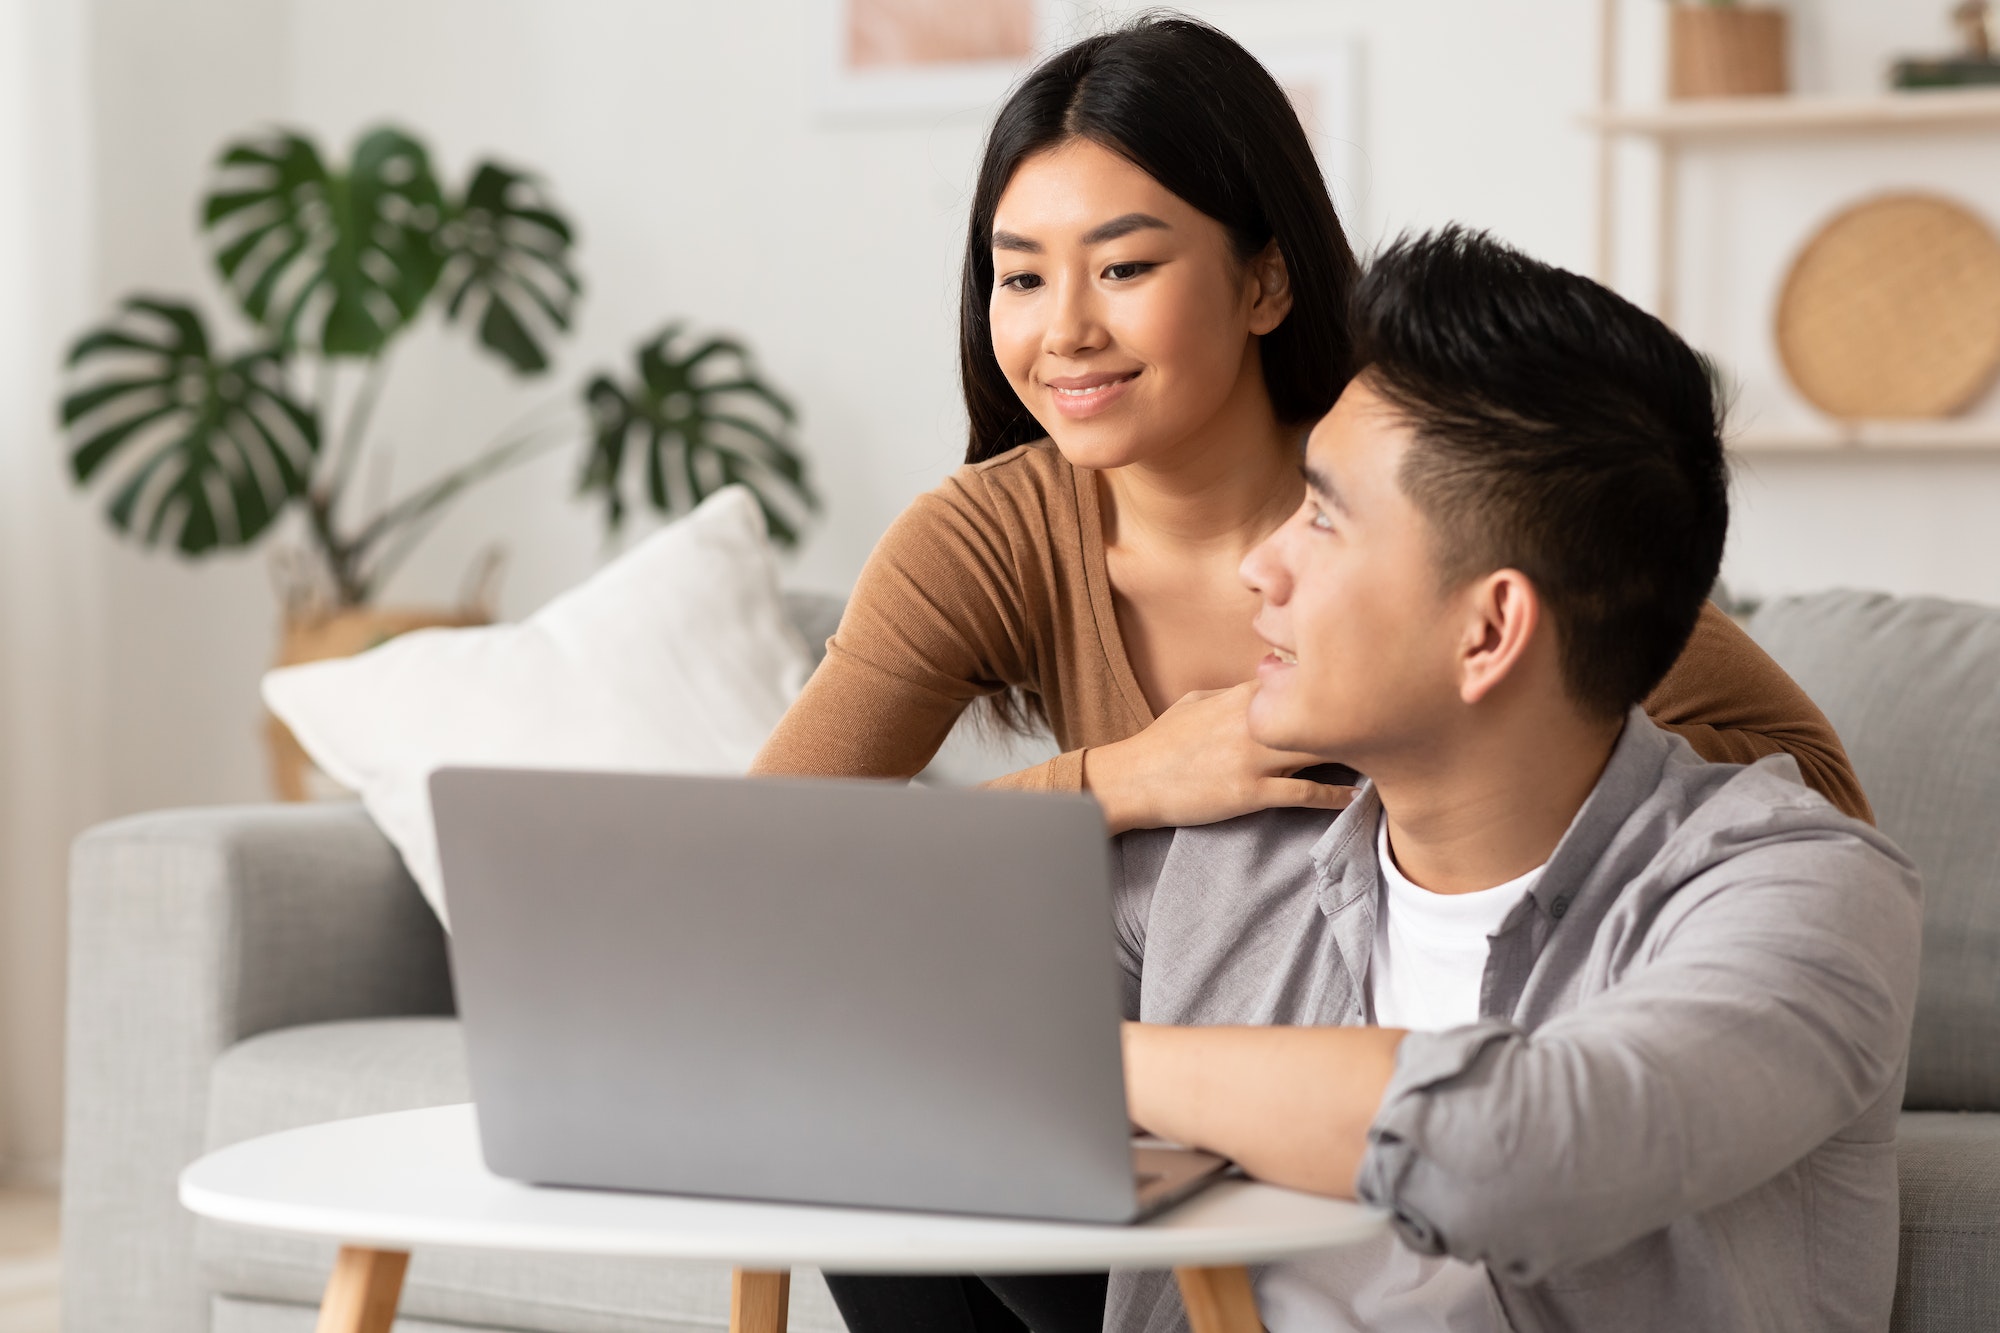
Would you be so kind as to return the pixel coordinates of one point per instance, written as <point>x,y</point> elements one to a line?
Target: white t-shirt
<point>1425,973</point>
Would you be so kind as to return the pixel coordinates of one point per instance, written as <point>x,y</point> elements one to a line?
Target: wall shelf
<point>1676,129</point>
<point>1871,437</point>
<point>1745,117</point>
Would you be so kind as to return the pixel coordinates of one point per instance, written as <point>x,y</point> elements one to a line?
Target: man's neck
<point>1489,803</point>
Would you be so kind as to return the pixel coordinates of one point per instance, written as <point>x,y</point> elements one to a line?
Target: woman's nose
<point>1075,324</point>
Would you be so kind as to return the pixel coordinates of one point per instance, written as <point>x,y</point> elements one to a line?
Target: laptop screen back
<point>833,992</point>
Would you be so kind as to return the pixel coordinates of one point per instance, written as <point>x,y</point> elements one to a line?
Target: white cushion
<point>676,658</point>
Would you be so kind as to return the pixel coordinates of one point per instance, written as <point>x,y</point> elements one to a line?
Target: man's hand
<point>1196,764</point>
<point>1290,1105</point>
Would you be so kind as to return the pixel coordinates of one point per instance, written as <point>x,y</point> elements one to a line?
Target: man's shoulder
<point>1263,839</point>
<point>1724,830</point>
<point>1719,812</point>
<point>1231,865</point>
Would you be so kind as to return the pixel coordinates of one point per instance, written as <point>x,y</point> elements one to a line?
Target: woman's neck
<point>1228,484</point>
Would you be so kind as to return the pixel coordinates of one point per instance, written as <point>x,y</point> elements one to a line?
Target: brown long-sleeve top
<point>997,579</point>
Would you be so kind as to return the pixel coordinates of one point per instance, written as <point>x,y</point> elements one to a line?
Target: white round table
<point>383,1184</point>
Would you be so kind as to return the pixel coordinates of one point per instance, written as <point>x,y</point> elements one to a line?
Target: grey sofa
<point>238,971</point>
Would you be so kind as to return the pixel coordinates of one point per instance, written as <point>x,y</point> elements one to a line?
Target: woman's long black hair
<point>1197,113</point>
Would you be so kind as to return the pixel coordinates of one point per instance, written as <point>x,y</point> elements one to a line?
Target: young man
<point>1618,1036</point>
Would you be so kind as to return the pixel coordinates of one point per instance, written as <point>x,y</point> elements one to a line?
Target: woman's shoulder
<point>1013,515</point>
<point>1024,490</point>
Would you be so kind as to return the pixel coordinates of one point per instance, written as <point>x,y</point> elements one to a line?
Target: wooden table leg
<point>759,1302</point>
<point>1219,1300</point>
<point>361,1295</point>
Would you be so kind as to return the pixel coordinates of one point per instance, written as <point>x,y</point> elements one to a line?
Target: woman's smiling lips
<point>1078,396</point>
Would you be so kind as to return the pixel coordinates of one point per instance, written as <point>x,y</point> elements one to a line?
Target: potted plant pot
<point>1726,50</point>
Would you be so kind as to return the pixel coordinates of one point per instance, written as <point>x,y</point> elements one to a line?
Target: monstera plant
<point>204,448</point>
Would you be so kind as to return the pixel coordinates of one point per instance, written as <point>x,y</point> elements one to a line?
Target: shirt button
<point>1558,907</point>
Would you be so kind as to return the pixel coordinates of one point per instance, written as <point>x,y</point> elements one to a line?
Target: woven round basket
<point>1893,310</point>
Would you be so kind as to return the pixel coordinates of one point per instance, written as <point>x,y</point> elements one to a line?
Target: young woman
<point>1153,314</point>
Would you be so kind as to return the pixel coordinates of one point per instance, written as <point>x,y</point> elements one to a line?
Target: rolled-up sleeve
<point>1772,1007</point>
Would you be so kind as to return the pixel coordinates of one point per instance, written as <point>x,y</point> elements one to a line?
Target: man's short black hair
<point>1561,431</point>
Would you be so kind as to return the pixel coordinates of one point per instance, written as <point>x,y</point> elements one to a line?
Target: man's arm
<point>1770,1014</point>
<point>1288,1105</point>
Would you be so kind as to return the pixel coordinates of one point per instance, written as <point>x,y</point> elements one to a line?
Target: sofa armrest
<point>189,931</point>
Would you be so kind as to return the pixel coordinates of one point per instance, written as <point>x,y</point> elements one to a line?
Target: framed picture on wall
<point>890,57</point>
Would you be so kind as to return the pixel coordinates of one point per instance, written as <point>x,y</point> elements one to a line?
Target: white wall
<point>50,554</point>
<point>683,138</point>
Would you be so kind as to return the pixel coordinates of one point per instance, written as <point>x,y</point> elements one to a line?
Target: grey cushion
<point>332,1071</point>
<point>327,1071</point>
<point>1913,687</point>
<point>1949,1274</point>
<point>816,615</point>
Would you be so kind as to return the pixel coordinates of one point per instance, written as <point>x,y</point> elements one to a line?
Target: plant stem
<point>355,429</point>
<point>342,558</point>
<point>415,514</point>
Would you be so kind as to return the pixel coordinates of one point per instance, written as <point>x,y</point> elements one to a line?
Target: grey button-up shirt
<point>1678,1110</point>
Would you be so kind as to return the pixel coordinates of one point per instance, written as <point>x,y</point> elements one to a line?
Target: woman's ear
<point>1271,290</point>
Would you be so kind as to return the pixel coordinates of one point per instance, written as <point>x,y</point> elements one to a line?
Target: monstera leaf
<point>222,446</point>
<point>703,420</point>
<point>508,258</point>
<point>341,261</point>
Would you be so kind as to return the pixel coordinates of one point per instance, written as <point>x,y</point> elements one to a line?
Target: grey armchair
<point>234,972</point>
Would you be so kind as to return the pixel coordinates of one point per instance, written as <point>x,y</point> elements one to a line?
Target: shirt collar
<point>1344,858</point>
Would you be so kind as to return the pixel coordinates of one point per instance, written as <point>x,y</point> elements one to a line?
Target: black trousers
<point>1018,1303</point>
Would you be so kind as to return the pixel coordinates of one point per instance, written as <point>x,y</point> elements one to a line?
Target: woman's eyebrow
<point>1098,235</point>
<point>1122,226</point>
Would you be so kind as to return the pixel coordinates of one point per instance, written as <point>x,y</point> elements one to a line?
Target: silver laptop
<point>815,991</point>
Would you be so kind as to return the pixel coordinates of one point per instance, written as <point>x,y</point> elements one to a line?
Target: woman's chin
<point>1099,446</point>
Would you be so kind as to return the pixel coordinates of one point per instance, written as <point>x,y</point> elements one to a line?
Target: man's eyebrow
<point>1122,226</point>
<point>1322,485</point>
<point>1007,240</point>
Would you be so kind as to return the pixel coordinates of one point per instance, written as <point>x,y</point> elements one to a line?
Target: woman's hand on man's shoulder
<point>1196,764</point>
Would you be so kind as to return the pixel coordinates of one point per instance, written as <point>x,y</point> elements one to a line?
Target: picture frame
<point>1322,75</point>
<point>888,59</point>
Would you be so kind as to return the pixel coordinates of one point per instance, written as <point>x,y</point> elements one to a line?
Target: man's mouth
<point>1285,655</point>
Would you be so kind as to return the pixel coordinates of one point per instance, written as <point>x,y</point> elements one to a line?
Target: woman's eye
<point>1124,272</point>
<point>1021,282</point>
<point>1317,517</point>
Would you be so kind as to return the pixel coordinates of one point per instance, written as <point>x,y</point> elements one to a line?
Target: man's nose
<point>1263,570</point>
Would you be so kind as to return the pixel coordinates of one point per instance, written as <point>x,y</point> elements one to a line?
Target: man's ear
<point>1503,613</point>
<point>1273,290</point>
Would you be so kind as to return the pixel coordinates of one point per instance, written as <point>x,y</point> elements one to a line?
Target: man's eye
<point>1124,272</point>
<point>1021,282</point>
<point>1318,518</point>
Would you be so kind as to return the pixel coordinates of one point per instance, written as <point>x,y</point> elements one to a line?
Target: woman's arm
<point>940,618</point>
<point>1735,705</point>
<point>932,625</point>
